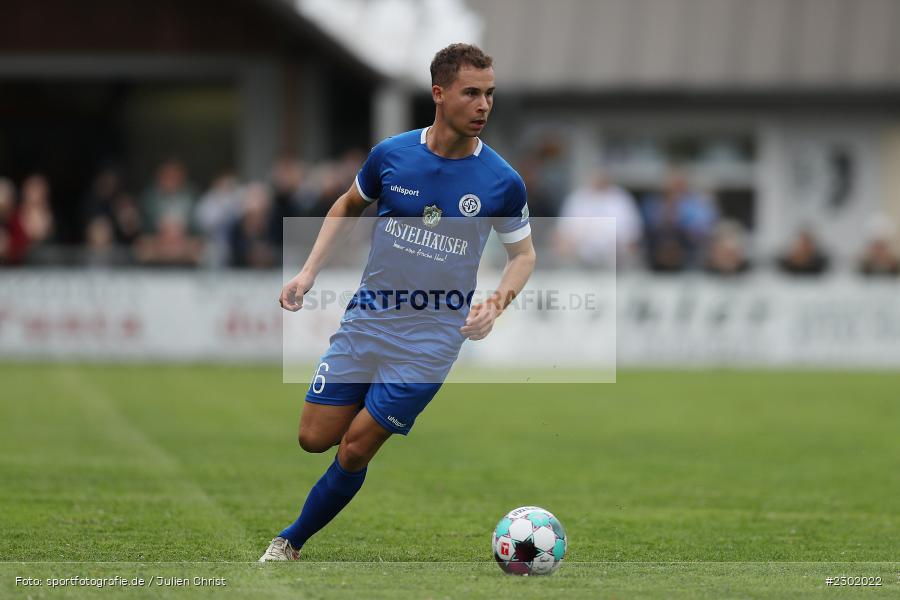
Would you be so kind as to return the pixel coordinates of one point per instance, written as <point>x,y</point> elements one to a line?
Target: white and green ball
<point>529,541</point>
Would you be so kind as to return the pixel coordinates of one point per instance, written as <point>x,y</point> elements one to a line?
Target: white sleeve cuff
<point>511,237</point>
<point>361,192</point>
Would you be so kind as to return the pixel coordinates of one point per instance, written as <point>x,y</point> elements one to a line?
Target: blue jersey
<point>434,217</point>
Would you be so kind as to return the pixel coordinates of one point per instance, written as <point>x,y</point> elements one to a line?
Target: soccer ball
<point>529,541</point>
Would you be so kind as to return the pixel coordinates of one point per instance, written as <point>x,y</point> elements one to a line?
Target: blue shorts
<point>394,382</point>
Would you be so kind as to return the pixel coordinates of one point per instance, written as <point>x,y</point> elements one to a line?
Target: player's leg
<point>341,481</point>
<point>322,426</point>
<point>335,395</point>
<point>362,440</point>
<point>389,408</point>
<point>333,400</point>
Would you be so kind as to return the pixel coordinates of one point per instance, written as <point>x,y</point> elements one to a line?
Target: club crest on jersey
<point>431,216</point>
<point>470,205</point>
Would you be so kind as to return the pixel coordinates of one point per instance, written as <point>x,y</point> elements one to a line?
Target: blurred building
<point>786,111</point>
<point>224,84</point>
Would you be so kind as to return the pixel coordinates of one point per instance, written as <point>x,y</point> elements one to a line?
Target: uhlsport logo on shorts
<point>470,205</point>
<point>396,421</point>
<point>431,216</point>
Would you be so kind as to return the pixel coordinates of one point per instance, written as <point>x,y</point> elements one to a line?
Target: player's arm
<point>338,222</point>
<point>520,259</point>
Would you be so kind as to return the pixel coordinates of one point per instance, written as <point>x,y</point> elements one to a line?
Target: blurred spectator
<point>106,186</point>
<point>587,239</point>
<point>170,246</point>
<point>101,249</point>
<point>108,198</point>
<point>251,243</point>
<point>546,174</point>
<point>288,176</point>
<point>126,219</point>
<point>216,213</point>
<point>728,250</point>
<point>170,196</point>
<point>804,256</point>
<point>678,224</point>
<point>544,169</point>
<point>292,195</point>
<point>330,181</point>
<point>880,257</point>
<point>295,194</point>
<point>347,166</point>
<point>13,241</point>
<point>37,219</point>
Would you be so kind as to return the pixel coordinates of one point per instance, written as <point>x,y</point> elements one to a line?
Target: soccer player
<point>440,190</point>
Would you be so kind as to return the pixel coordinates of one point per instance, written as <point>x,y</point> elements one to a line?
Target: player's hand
<point>292,293</point>
<point>480,320</point>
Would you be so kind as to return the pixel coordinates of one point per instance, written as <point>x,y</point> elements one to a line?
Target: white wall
<point>761,321</point>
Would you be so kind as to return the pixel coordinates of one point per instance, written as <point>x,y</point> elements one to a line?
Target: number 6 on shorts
<point>318,382</point>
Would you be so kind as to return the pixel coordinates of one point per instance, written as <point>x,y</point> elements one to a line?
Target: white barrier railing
<point>757,321</point>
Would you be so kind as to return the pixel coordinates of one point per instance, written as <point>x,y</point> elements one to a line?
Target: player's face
<point>467,101</point>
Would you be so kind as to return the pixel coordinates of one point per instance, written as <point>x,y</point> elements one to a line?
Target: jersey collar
<point>477,148</point>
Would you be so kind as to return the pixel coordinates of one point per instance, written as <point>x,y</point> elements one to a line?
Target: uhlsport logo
<point>405,191</point>
<point>396,421</point>
<point>470,205</point>
<point>431,216</point>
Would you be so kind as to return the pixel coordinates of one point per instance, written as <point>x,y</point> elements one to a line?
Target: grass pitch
<point>671,485</point>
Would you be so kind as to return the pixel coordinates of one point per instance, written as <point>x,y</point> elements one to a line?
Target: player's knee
<point>313,444</point>
<point>354,454</point>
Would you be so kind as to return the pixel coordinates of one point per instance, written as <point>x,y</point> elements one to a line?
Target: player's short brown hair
<point>450,60</point>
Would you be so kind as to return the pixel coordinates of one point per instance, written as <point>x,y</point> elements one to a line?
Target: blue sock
<point>326,499</point>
